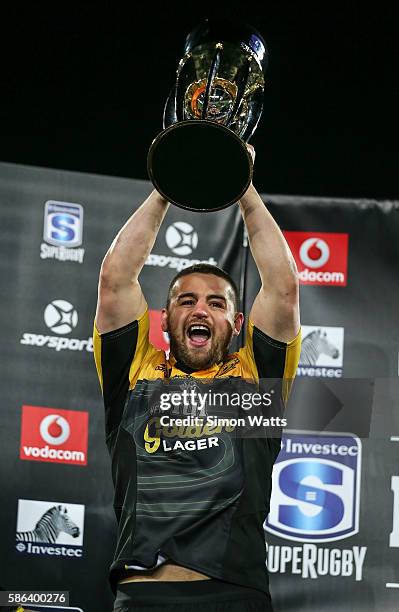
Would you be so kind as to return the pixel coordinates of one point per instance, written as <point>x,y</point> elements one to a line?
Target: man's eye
<point>217,304</point>
<point>187,302</point>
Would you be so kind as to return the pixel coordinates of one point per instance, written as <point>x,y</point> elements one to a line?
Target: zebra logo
<point>322,346</point>
<point>49,527</point>
<point>54,523</point>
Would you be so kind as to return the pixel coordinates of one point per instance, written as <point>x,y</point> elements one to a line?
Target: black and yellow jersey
<point>200,502</point>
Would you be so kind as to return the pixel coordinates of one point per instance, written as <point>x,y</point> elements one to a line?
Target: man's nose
<point>201,309</point>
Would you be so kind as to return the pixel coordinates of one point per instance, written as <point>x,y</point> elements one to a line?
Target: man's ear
<point>164,320</point>
<point>238,322</point>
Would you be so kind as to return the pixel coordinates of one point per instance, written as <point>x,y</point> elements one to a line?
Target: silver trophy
<point>200,160</point>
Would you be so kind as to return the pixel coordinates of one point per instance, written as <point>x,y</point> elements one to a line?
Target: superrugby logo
<point>49,528</point>
<point>181,238</point>
<point>61,318</point>
<point>63,230</point>
<point>315,498</point>
<point>55,435</point>
<point>316,485</point>
<point>321,257</point>
<point>322,352</point>
<point>63,223</point>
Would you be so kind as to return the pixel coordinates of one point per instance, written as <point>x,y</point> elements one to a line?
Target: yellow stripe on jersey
<point>142,346</point>
<point>291,363</point>
<point>97,353</point>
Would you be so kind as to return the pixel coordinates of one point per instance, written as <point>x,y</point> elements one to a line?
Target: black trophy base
<point>200,165</point>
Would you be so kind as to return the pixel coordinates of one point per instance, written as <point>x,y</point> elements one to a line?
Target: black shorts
<point>190,596</point>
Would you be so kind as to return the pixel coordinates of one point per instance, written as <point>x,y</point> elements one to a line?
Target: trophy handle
<point>169,111</point>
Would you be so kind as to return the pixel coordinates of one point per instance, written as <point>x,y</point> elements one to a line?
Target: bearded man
<point>190,513</point>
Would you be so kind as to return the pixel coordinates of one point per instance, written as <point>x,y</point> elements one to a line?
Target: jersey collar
<point>178,366</point>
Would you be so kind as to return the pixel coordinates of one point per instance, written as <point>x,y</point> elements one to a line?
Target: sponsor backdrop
<point>332,535</point>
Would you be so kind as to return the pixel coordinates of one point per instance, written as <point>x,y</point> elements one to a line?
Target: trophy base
<point>200,165</point>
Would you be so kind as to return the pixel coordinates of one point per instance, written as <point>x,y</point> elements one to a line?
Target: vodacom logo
<point>314,252</point>
<point>321,257</point>
<point>54,429</point>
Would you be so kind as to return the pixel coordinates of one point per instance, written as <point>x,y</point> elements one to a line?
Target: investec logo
<point>53,529</point>
<point>321,257</point>
<point>62,232</point>
<point>182,239</point>
<point>55,435</point>
<point>322,352</point>
<point>61,318</point>
<point>316,498</point>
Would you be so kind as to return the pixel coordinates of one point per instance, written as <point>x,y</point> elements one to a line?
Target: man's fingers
<point>251,152</point>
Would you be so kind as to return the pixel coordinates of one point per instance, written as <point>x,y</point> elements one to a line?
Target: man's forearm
<point>270,251</point>
<point>133,243</point>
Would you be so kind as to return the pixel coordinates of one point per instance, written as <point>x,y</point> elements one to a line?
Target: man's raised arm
<point>275,310</point>
<point>120,299</point>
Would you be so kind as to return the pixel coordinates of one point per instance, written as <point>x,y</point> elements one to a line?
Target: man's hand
<point>252,152</point>
<point>120,299</point>
<point>275,310</point>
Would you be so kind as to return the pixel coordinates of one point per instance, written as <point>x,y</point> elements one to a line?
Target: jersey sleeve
<point>119,355</point>
<point>267,358</point>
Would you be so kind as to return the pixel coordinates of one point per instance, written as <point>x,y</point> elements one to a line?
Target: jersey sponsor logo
<point>321,257</point>
<point>322,352</point>
<point>182,239</point>
<point>316,487</point>
<point>172,437</point>
<point>60,317</point>
<point>62,231</point>
<point>46,528</point>
<point>54,435</point>
<point>158,338</point>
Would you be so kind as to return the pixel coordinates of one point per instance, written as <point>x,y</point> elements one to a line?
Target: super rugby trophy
<point>200,160</point>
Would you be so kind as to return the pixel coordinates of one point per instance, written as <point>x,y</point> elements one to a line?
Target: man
<point>191,502</point>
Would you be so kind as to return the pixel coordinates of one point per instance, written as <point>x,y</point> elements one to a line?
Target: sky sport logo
<point>315,499</point>
<point>52,529</point>
<point>62,231</point>
<point>182,239</point>
<point>322,352</point>
<point>54,435</point>
<point>321,257</point>
<point>61,318</point>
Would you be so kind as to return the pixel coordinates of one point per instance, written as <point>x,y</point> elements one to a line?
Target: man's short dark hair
<point>204,268</point>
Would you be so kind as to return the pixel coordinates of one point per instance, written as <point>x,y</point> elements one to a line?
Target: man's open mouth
<point>198,334</point>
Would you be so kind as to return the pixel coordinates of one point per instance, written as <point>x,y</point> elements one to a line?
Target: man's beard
<point>196,360</point>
